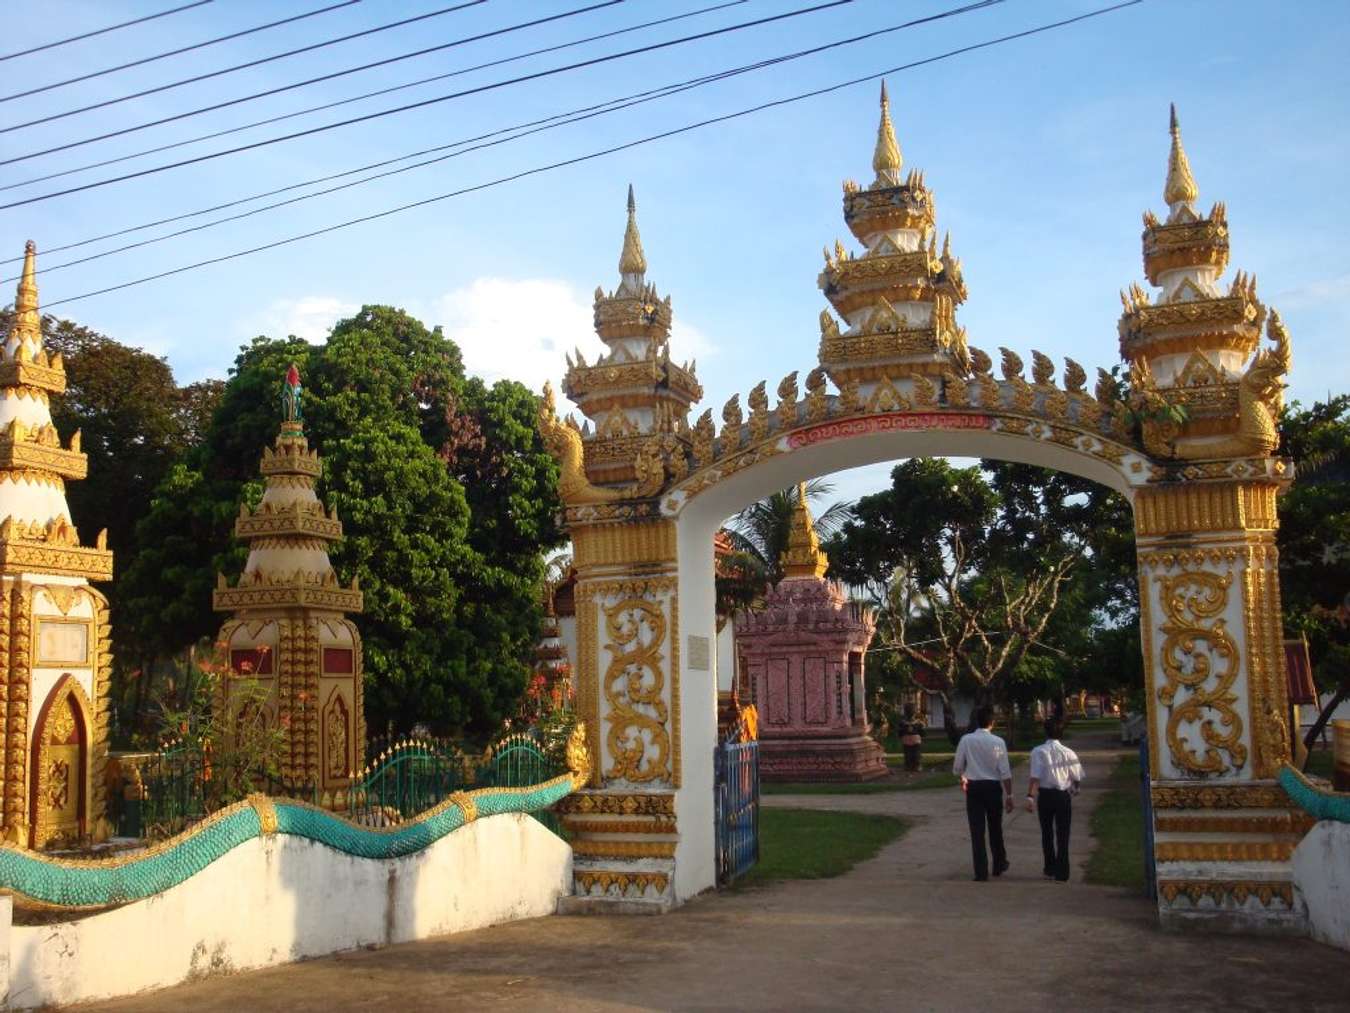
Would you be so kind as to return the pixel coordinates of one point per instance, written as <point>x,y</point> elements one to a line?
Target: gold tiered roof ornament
<point>1199,382</point>
<point>899,297</point>
<point>36,533</point>
<point>289,532</point>
<point>635,399</point>
<point>803,556</point>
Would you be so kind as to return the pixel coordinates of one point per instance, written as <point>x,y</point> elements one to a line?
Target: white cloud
<point>1316,293</point>
<point>507,328</point>
<point>521,329</point>
<point>309,317</point>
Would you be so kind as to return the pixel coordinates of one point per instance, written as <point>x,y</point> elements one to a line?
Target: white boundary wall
<point>1322,881</point>
<point>284,898</point>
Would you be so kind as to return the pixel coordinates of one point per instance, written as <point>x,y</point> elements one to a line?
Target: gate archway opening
<point>1188,438</point>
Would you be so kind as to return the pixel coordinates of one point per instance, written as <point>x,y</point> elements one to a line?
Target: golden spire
<point>631,261</point>
<point>1180,188</point>
<point>886,160</point>
<point>803,557</point>
<point>27,322</point>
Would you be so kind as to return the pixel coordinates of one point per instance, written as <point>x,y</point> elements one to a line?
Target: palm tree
<point>760,531</point>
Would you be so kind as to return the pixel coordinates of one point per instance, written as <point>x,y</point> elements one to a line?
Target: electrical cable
<point>601,153</point>
<point>103,31</point>
<point>372,94</point>
<point>176,52</point>
<point>516,132</point>
<point>313,80</point>
<point>491,86</point>
<point>242,66</point>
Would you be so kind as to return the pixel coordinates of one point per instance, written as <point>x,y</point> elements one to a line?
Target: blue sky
<point>1042,154</point>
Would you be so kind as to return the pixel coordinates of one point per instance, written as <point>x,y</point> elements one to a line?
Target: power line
<point>492,86</point>
<point>242,66</point>
<point>491,139</point>
<point>324,179</point>
<point>313,80</point>
<point>591,156</point>
<point>175,52</point>
<point>372,94</point>
<point>104,31</point>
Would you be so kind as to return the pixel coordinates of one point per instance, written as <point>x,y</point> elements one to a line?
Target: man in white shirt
<point>1055,776</point>
<point>986,778</point>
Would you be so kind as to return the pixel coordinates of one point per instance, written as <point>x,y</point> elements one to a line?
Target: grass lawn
<point>927,779</point>
<point>1080,726</point>
<point>810,844</point>
<point>943,761</point>
<point>936,773</point>
<point>1118,831</point>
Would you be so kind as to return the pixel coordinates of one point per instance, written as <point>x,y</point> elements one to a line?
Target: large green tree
<point>448,501</point>
<point>975,577</point>
<point>1314,538</point>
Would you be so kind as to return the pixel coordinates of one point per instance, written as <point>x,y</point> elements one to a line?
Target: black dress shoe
<point>1001,868</point>
<point>982,879</point>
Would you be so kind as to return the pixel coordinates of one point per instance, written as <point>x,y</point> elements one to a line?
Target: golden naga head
<point>578,756</point>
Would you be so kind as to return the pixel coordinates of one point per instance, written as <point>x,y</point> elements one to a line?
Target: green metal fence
<point>411,776</point>
<point>518,761</point>
<point>406,777</point>
<point>175,791</point>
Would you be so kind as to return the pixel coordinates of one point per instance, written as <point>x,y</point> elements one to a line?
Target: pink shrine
<point>802,666</point>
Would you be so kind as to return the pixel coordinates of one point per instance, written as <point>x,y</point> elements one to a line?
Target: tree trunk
<point>1342,692</point>
<point>949,718</point>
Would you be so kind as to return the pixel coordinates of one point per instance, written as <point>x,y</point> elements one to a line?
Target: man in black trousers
<point>1055,776</point>
<point>986,778</point>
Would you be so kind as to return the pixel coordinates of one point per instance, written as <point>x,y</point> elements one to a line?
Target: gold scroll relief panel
<point>629,638</point>
<point>1196,657</point>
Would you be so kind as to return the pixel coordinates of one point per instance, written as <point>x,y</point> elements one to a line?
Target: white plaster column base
<point>1236,897</point>
<point>1322,882</point>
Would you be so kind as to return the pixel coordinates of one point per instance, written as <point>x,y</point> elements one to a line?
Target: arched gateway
<point>645,492</point>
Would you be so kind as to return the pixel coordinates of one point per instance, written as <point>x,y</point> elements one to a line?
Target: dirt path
<point>906,930</point>
<point>937,848</point>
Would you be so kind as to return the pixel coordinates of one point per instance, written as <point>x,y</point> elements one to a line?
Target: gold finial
<point>803,557</point>
<point>27,326</point>
<point>1180,188</point>
<point>26,301</point>
<point>886,160</point>
<point>632,261</point>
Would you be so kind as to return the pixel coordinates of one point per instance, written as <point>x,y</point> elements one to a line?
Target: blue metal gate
<point>736,808</point>
<point>1146,798</point>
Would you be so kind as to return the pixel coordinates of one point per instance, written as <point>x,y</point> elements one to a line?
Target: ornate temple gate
<point>1188,440</point>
